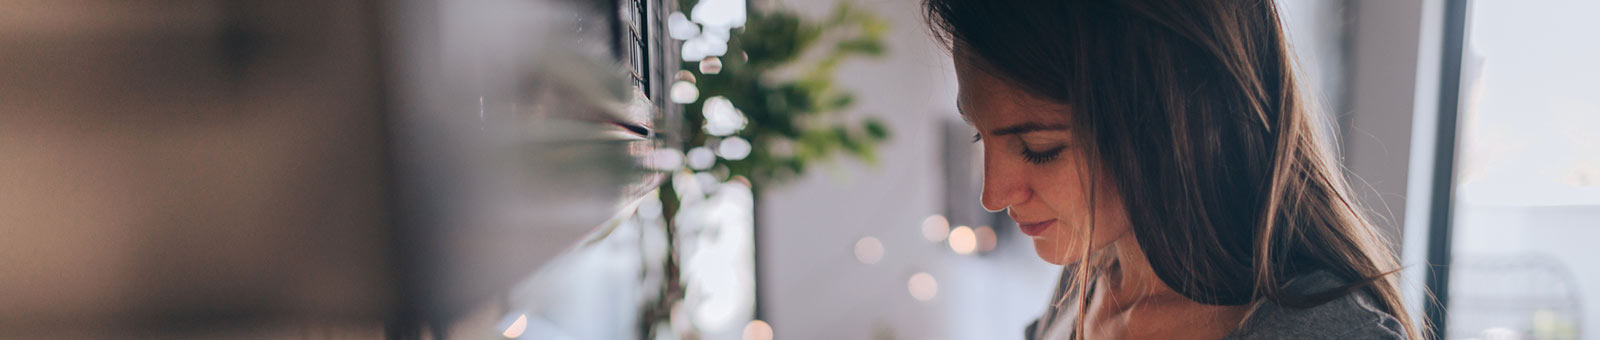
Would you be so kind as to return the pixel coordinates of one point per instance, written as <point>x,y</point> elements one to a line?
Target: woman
<point>1161,150</point>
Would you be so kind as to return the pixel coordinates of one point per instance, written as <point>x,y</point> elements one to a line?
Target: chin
<point>1051,252</point>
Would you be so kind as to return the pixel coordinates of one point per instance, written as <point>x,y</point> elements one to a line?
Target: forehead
<point>984,99</point>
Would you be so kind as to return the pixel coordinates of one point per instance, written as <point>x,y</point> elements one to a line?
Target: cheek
<point>1066,190</point>
<point>1110,217</point>
<point>1064,186</point>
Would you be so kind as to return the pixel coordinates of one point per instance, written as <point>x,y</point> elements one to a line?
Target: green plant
<point>794,122</point>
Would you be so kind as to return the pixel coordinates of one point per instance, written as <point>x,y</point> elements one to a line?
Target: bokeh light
<point>719,13</point>
<point>722,119</point>
<point>712,64</point>
<point>694,49</point>
<point>701,158</point>
<point>963,240</point>
<point>922,286</point>
<point>987,240</point>
<point>935,228</point>
<point>517,327</point>
<point>757,330</point>
<point>734,148</point>
<point>869,250</point>
<point>684,92</point>
<point>679,27</point>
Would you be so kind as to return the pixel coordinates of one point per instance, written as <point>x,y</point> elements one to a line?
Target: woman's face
<point>1036,170</point>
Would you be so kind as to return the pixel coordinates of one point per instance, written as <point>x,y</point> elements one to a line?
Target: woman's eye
<point>977,137</point>
<point>1041,157</point>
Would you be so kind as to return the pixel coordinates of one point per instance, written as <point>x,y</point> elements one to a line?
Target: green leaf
<point>876,129</point>
<point>841,101</point>
<point>865,46</point>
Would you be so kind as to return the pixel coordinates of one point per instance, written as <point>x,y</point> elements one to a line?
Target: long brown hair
<point>1195,108</point>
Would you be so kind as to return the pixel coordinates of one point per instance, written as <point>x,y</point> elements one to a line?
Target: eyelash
<point>1032,156</point>
<point>1041,157</point>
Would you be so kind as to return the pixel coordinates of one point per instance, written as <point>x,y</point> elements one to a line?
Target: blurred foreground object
<point>231,168</point>
<point>749,124</point>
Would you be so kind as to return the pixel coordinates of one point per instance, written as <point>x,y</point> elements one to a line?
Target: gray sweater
<point>1353,316</point>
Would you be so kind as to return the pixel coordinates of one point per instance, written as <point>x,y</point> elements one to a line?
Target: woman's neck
<point>1130,301</point>
<point>1130,277</point>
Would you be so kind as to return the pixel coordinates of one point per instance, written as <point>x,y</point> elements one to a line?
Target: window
<point>1525,222</point>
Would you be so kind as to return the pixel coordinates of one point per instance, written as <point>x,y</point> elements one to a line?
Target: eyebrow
<point>1028,127</point>
<point>1015,129</point>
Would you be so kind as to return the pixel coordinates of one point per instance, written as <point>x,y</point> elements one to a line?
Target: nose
<point>1004,183</point>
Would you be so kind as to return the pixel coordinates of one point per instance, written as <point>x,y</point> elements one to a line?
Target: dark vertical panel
<point>1442,190</point>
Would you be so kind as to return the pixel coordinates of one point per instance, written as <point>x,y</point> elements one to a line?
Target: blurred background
<point>682,169</point>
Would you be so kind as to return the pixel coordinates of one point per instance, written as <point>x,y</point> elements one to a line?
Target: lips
<point>1035,228</point>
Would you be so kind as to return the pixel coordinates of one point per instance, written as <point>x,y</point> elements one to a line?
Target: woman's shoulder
<point>1352,316</point>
